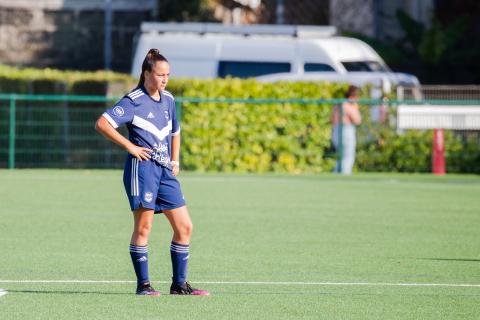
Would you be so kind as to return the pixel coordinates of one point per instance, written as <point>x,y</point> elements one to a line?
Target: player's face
<point>158,77</point>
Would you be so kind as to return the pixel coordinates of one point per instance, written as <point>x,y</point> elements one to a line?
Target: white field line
<point>281,283</point>
<point>3,292</point>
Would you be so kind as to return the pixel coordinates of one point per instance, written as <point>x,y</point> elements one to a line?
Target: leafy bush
<point>50,81</point>
<point>234,136</point>
<point>248,137</point>
<point>382,148</point>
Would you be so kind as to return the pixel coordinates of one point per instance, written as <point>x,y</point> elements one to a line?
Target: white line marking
<point>285,283</point>
<point>3,292</point>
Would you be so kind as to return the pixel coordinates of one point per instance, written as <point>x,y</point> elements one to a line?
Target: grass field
<point>369,246</point>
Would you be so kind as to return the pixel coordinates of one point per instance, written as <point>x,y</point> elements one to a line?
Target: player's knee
<point>144,230</point>
<point>186,229</point>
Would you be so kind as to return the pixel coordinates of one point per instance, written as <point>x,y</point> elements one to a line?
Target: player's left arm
<point>175,151</point>
<point>175,158</point>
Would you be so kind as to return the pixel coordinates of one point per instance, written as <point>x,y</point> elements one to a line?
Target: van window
<point>245,69</point>
<point>313,67</point>
<point>373,66</point>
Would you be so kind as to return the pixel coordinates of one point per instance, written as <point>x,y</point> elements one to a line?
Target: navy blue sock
<point>180,255</point>
<point>139,255</point>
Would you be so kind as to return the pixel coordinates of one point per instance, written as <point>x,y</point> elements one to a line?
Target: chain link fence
<point>440,92</point>
<point>58,132</point>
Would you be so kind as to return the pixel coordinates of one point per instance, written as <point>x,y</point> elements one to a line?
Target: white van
<point>211,50</point>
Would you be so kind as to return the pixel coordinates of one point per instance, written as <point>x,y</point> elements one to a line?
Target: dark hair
<point>352,91</point>
<point>151,58</point>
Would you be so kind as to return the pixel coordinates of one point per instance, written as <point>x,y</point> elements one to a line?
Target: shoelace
<point>188,287</point>
<point>147,287</point>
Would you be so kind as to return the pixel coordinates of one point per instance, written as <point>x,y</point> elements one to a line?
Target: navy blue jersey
<point>150,123</point>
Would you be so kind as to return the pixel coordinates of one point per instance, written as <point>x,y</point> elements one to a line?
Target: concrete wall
<point>62,34</point>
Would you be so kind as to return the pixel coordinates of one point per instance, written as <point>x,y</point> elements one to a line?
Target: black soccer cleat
<point>186,289</point>
<point>147,290</point>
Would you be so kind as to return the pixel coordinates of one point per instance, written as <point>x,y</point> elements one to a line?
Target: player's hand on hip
<point>175,167</point>
<point>140,153</point>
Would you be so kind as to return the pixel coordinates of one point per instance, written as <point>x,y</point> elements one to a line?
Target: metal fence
<point>58,132</point>
<point>440,92</point>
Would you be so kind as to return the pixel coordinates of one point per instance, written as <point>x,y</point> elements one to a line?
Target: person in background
<point>351,118</point>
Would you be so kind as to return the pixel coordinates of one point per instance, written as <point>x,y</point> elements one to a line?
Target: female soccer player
<point>151,168</point>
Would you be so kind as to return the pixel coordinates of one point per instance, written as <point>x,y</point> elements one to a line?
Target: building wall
<point>311,12</point>
<point>353,15</point>
<point>377,18</point>
<point>63,34</point>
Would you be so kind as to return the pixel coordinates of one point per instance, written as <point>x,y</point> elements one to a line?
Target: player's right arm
<point>107,123</point>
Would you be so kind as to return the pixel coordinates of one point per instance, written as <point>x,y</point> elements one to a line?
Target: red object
<point>438,157</point>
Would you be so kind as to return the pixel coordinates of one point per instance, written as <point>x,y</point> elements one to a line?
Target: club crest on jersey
<point>148,196</point>
<point>119,112</point>
<point>166,115</point>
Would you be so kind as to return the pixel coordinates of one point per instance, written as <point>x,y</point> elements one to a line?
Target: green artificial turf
<point>370,246</point>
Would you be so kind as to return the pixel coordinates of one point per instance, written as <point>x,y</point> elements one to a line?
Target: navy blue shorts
<point>152,186</point>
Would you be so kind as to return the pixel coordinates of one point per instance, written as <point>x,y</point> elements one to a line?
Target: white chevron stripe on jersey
<point>150,127</point>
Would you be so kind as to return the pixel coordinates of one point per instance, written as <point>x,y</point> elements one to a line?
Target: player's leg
<point>142,225</point>
<point>180,246</point>
<point>182,226</point>
<point>181,223</point>
<point>138,180</point>
<point>170,201</point>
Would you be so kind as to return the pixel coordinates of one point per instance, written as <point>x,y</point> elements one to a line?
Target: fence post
<point>11,135</point>
<point>340,139</point>
<point>66,127</point>
<point>438,152</point>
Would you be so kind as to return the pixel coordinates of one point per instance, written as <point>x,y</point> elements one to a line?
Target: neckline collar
<point>142,87</point>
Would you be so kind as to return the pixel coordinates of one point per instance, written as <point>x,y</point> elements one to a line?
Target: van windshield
<point>244,69</point>
<point>317,67</point>
<point>368,66</point>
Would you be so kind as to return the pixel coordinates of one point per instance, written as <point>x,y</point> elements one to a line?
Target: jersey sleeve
<point>121,113</point>
<point>175,122</point>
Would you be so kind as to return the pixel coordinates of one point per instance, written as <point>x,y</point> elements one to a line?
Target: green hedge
<point>49,81</point>
<point>242,137</point>
<point>382,148</point>
<point>228,137</point>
